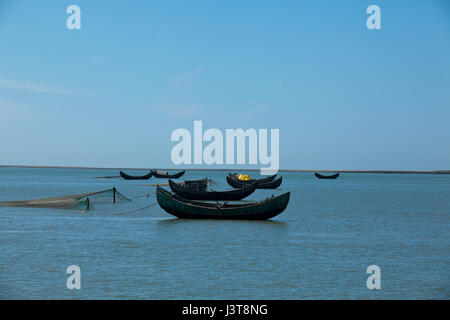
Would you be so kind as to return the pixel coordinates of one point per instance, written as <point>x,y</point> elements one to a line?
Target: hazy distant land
<point>233,169</point>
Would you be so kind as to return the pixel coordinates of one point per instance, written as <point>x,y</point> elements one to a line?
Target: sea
<point>321,247</point>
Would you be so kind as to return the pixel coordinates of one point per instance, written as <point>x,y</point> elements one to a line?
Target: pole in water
<point>114,194</point>
<point>87,203</point>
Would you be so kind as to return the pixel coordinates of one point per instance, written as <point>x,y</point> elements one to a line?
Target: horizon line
<point>228,169</point>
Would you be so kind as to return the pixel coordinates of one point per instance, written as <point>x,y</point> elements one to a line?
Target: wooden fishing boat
<point>188,209</point>
<point>128,177</point>
<point>192,194</point>
<point>321,176</point>
<point>259,185</point>
<point>166,175</point>
<point>199,185</point>
<point>267,179</point>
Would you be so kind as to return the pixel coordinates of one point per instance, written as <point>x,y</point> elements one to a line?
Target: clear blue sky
<point>110,94</point>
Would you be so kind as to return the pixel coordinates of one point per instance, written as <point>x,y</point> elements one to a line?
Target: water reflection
<point>254,222</point>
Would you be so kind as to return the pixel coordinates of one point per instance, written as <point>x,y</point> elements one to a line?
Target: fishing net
<point>83,200</point>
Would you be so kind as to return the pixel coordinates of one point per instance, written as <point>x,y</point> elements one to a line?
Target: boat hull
<point>186,209</point>
<point>192,194</point>
<point>321,176</point>
<point>235,183</point>
<point>199,185</point>
<point>128,177</point>
<point>267,179</point>
<point>168,176</point>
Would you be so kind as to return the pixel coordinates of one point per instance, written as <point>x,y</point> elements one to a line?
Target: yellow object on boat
<point>243,177</point>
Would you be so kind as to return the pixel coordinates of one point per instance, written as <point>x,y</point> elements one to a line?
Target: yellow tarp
<point>243,177</point>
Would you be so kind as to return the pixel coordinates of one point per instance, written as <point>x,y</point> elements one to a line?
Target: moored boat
<point>235,183</point>
<point>192,194</point>
<point>200,185</point>
<point>267,179</point>
<point>188,209</point>
<point>322,176</point>
<point>128,177</point>
<point>166,175</point>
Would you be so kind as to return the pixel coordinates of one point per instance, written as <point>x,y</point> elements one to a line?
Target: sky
<point>110,94</point>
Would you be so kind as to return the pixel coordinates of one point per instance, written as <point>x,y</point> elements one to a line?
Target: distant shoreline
<point>232,169</point>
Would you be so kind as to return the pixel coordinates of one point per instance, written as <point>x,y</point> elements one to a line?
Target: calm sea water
<point>319,248</point>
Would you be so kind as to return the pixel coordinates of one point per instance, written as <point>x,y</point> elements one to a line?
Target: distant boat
<point>192,194</point>
<point>188,209</point>
<point>321,176</point>
<point>128,177</point>
<point>166,175</point>
<point>235,183</point>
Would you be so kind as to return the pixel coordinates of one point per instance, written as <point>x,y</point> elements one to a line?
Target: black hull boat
<point>235,183</point>
<point>192,194</point>
<point>267,179</point>
<point>188,209</point>
<point>166,175</point>
<point>321,176</point>
<point>199,185</point>
<point>128,177</point>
